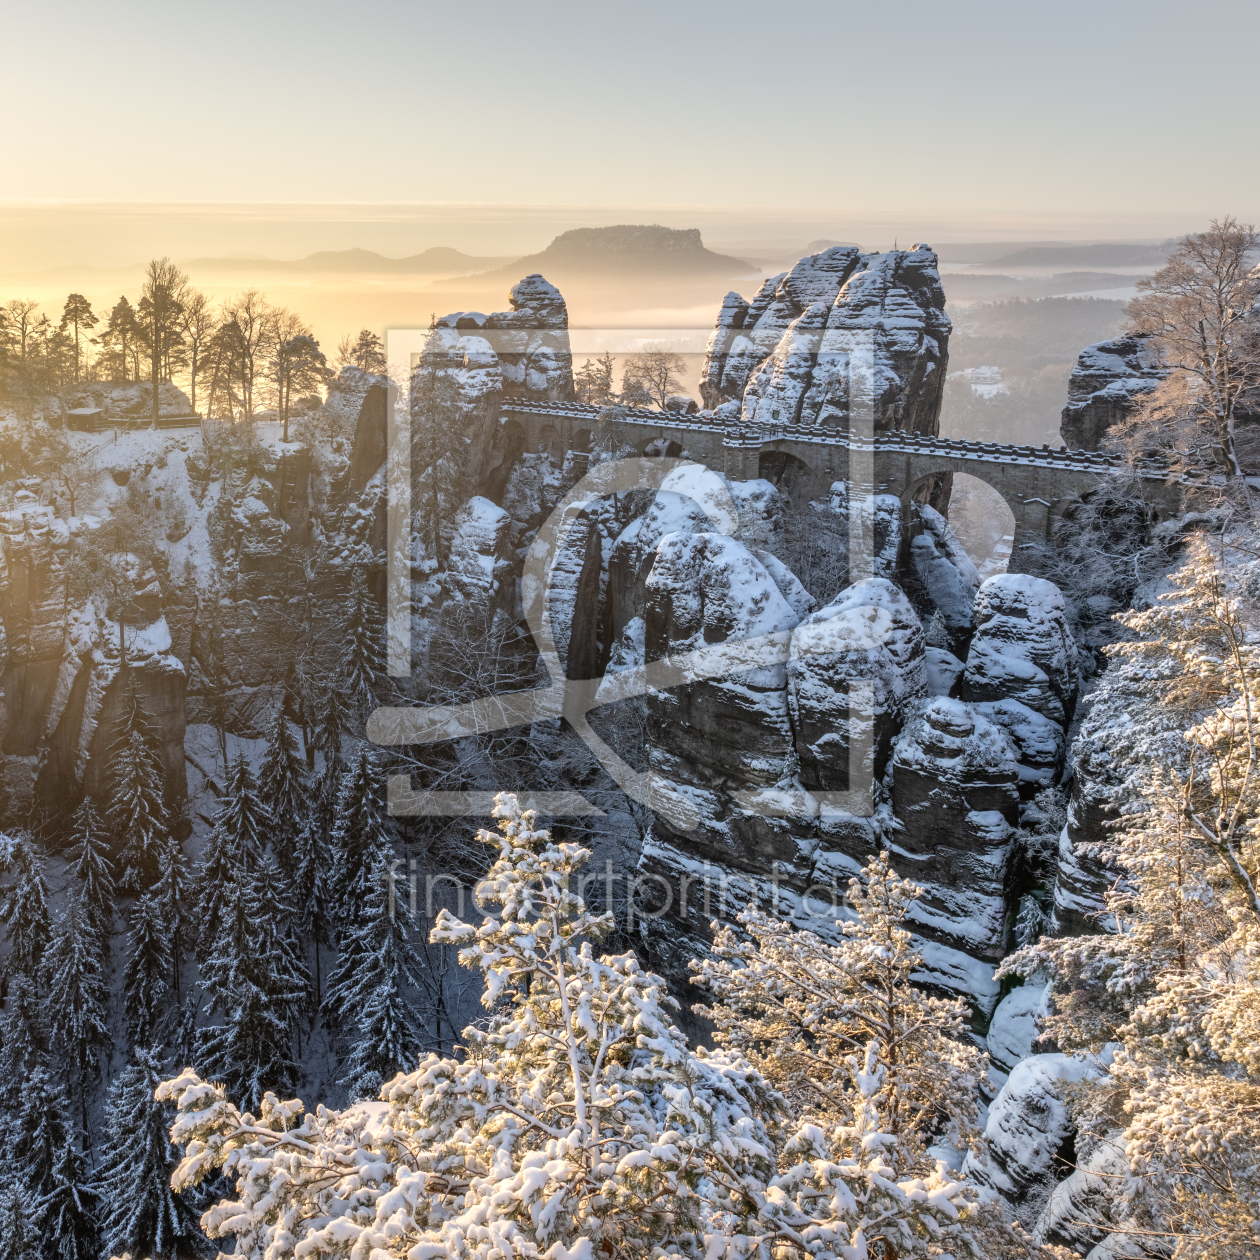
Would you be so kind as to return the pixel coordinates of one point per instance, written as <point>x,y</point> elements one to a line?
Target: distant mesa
<point>435,261</point>
<point>625,251</point>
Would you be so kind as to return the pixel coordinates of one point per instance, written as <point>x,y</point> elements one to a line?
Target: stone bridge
<point>1037,483</point>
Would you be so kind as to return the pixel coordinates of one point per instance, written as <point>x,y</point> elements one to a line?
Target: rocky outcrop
<point>1015,1025</point>
<point>1028,1131</point>
<point>478,569</point>
<point>855,668</point>
<point>955,793</point>
<point>1022,648</point>
<point>126,400</point>
<point>943,575</point>
<point>68,669</point>
<point>839,332</point>
<point>1104,388</point>
<point>726,732</point>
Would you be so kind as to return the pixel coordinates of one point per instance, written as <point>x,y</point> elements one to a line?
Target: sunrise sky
<point>491,126</point>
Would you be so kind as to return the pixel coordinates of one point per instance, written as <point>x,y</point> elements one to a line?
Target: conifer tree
<point>137,809</point>
<point>233,852</point>
<point>40,1130</point>
<point>173,894</point>
<point>357,830</point>
<point>142,1215</point>
<point>19,1239</point>
<point>148,968</point>
<point>79,1011</point>
<point>311,860</point>
<point>363,636</point>
<point>24,909</point>
<point>254,990</point>
<point>371,992</point>
<point>93,871</point>
<point>332,723</point>
<point>71,1210</point>
<point>23,1039</point>
<point>281,788</point>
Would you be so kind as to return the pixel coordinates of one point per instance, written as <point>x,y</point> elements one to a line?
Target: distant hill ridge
<point>439,258</point>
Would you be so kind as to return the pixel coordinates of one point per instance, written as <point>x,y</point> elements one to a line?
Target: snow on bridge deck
<point>1038,483</point>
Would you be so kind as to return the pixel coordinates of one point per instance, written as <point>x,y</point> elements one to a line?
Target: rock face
<point>127,400</point>
<point>727,730</point>
<point>478,570</point>
<point>65,680</point>
<point>955,792</point>
<point>1014,1026</point>
<point>1028,1125</point>
<point>856,666</point>
<point>1022,648</point>
<point>839,322</point>
<point>1108,379</point>
<point>945,575</point>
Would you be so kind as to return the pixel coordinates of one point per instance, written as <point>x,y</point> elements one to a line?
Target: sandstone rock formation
<point>68,669</point>
<point>856,666</point>
<point>955,792</point>
<point>1028,1125</point>
<point>1022,648</point>
<point>1108,379</point>
<point>839,323</point>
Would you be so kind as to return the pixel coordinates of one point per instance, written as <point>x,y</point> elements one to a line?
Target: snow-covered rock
<point>727,725</point>
<point>478,570</point>
<point>1038,741</point>
<point>942,671</point>
<point>955,792</point>
<point>946,574</point>
<point>855,667</point>
<point>1080,1212</point>
<point>838,322</point>
<point>1014,1026</point>
<point>126,400</point>
<point>1022,648</point>
<point>1108,380</point>
<point>1028,1125</point>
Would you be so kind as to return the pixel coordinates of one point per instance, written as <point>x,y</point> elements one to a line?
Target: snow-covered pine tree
<point>356,836</point>
<point>142,1215</point>
<point>371,993</point>
<point>36,1136</point>
<point>280,944</point>
<point>137,806</point>
<point>281,787</point>
<point>331,724</point>
<point>24,910</point>
<point>174,895</point>
<point>311,860</point>
<point>875,1068</point>
<point>233,852</point>
<point>79,1009</point>
<point>147,974</point>
<point>23,1039</point>
<point>251,986</point>
<point>71,1210</point>
<point>363,636</point>
<point>19,1239</point>
<point>579,1123</point>
<point>93,871</point>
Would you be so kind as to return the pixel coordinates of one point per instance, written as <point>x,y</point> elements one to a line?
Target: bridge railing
<point>746,436</point>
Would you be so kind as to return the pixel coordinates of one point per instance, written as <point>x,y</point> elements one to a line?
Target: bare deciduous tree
<point>197,325</point>
<point>654,373</point>
<point>1199,313</point>
<point>248,319</point>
